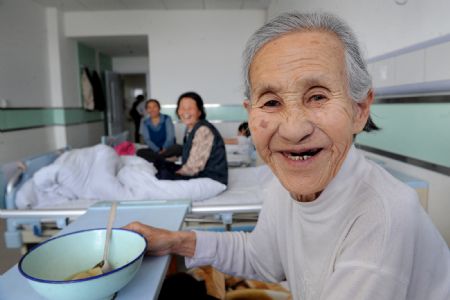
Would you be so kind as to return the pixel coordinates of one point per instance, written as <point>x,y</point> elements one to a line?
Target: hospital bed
<point>240,155</point>
<point>239,204</point>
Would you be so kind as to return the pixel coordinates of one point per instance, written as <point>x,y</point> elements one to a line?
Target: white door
<point>115,103</point>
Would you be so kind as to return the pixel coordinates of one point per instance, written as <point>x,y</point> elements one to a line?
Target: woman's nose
<point>295,125</point>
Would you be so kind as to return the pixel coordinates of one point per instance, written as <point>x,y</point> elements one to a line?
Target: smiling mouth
<point>305,155</point>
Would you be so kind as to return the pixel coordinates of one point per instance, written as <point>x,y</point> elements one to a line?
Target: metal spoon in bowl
<point>103,266</point>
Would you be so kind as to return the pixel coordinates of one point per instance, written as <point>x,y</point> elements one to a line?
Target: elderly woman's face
<point>301,117</point>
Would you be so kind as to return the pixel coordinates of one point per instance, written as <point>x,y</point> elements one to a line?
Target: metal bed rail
<point>40,213</point>
<point>226,209</point>
<point>48,213</point>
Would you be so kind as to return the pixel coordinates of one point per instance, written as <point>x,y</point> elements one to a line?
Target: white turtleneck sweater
<point>365,237</point>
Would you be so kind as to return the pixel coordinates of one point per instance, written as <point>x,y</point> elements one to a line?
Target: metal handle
<point>12,182</point>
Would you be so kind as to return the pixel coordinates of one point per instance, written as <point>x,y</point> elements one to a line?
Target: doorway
<point>133,86</point>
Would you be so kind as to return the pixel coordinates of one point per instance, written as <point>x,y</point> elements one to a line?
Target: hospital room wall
<point>382,27</point>
<point>23,54</point>
<point>38,84</point>
<point>184,53</point>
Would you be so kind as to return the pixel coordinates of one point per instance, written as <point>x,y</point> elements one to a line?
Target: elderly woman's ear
<point>362,112</point>
<point>247,105</point>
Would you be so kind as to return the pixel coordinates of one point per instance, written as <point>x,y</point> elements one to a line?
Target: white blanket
<point>87,175</point>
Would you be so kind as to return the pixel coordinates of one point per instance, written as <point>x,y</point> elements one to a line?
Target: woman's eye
<point>271,103</point>
<point>318,97</point>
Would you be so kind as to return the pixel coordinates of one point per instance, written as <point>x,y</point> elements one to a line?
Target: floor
<point>8,257</point>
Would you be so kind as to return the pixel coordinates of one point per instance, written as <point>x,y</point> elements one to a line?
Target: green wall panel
<point>420,131</point>
<point>15,119</point>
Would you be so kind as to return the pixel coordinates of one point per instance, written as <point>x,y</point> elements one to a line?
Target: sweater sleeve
<point>250,255</point>
<point>201,150</point>
<point>170,133</point>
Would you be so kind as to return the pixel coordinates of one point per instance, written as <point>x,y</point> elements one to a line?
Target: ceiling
<point>97,5</point>
<point>119,46</point>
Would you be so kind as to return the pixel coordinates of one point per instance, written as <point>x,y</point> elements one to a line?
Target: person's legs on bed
<point>174,150</point>
<point>150,155</point>
<point>167,170</point>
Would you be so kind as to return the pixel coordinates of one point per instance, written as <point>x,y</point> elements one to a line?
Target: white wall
<point>82,135</point>
<point>23,143</point>
<point>24,74</point>
<point>130,65</point>
<point>24,80</point>
<point>382,26</point>
<point>202,52</point>
<point>188,50</point>
<point>69,68</point>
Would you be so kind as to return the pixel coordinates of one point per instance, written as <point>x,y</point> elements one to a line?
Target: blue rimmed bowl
<point>49,264</point>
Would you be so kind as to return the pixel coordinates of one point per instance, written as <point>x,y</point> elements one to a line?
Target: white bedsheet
<point>245,186</point>
<point>81,177</point>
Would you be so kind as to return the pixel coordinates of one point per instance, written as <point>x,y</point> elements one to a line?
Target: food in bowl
<point>49,264</point>
<point>86,274</point>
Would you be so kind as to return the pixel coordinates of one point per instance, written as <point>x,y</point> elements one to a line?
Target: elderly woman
<point>333,224</point>
<point>203,152</point>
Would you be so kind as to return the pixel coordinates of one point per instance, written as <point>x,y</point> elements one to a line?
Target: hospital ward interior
<point>118,111</point>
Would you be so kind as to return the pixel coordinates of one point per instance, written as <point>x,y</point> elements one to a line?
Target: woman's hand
<point>162,242</point>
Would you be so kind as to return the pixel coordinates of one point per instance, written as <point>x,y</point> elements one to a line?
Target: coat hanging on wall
<point>99,96</point>
<point>87,90</point>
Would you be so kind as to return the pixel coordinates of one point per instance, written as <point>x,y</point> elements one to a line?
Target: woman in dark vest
<point>203,149</point>
<point>158,133</point>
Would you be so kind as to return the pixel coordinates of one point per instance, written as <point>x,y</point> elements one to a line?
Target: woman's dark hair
<point>370,125</point>
<point>243,127</point>
<point>154,101</point>
<point>198,100</point>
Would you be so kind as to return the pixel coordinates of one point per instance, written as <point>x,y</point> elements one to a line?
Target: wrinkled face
<point>301,117</point>
<point>189,112</point>
<point>153,109</point>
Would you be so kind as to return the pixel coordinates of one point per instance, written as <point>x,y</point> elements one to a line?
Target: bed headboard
<point>115,139</point>
<point>22,170</point>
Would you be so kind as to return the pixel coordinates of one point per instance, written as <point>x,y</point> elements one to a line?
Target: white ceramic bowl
<point>49,264</point>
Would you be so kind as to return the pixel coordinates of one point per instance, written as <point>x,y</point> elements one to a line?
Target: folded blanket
<point>98,173</point>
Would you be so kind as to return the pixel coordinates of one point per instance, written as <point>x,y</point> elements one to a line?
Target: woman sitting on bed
<point>203,149</point>
<point>158,133</point>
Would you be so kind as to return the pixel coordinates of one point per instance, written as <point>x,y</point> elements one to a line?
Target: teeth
<point>298,157</point>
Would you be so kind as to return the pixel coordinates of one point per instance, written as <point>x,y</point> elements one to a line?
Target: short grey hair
<point>359,78</point>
